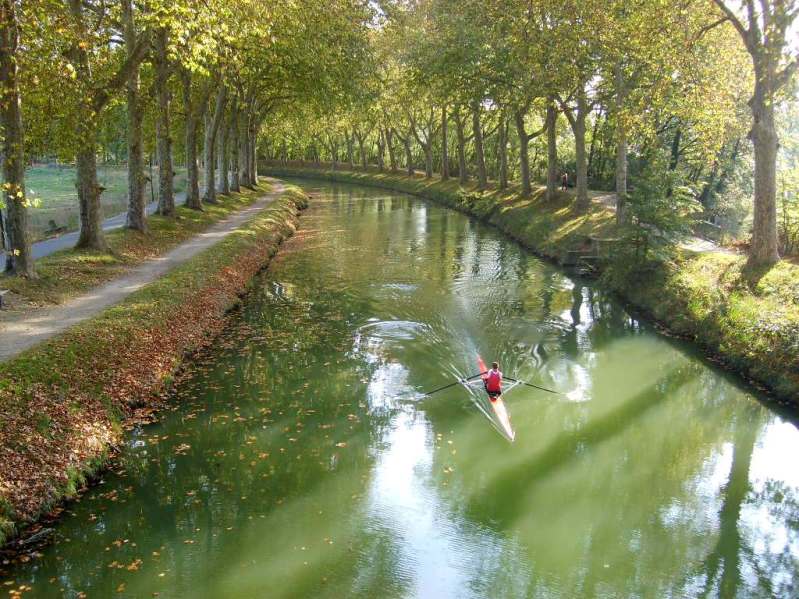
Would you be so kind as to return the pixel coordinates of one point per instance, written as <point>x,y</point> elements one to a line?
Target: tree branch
<point>123,75</point>
<point>734,20</point>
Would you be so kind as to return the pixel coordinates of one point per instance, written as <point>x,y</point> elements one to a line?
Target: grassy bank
<point>63,404</point>
<point>72,272</point>
<point>747,320</point>
<point>52,186</point>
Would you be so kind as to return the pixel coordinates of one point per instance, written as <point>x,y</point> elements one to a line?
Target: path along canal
<point>302,461</point>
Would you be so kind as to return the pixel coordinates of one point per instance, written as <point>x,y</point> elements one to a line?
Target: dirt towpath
<point>39,325</point>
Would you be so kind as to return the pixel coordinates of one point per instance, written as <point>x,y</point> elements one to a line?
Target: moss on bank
<point>63,404</point>
<point>749,320</point>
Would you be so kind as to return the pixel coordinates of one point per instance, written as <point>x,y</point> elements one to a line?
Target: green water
<point>301,459</point>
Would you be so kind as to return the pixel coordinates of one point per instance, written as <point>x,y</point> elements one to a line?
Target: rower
<point>493,382</point>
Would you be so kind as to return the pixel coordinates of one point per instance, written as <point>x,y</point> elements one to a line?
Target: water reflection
<point>301,459</point>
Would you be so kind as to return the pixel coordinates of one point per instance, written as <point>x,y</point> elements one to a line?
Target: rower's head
<point>494,366</point>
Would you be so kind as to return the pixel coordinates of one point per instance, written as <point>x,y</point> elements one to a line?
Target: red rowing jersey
<point>493,381</point>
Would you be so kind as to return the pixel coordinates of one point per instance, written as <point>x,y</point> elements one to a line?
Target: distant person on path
<point>564,181</point>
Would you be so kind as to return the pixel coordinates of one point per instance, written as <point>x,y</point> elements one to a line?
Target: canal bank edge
<point>750,329</point>
<point>64,404</point>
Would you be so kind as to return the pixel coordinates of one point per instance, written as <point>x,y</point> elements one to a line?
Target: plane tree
<point>764,28</point>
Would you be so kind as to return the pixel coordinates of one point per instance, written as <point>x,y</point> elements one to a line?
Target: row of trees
<point>657,93</point>
<point>668,93</point>
<point>197,75</point>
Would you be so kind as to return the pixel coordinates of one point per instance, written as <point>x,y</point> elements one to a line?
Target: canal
<point>300,457</point>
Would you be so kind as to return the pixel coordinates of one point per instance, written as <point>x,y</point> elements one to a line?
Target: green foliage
<point>659,212</point>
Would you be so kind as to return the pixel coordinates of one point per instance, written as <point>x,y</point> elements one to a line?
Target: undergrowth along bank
<point>64,403</point>
<point>748,320</point>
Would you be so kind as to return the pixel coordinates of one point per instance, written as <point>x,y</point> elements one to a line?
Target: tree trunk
<point>674,159</point>
<point>503,153</point>
<point>444,147</point>
<point>192,121</point>
<point>137,206</point>
<point>19,259</point>
<point>764,248</point>
<point>244,149</point>
<point>479,154</point>
<point>350,149</point>
<point>362,151</point>
<point>552,151</point>
<point>582,203</point>
<point>428,159</point>
<point>381,151</point>
<point>235,141</point>
<point>253,152</point>
<point>524,157</point>
<point>224,153</point>
<point>392,159</point>
<point>592,172</point>
<point>91,230</point>
<point>408,154</point>
<point>166,191</point>
<point>212,123</point>
<point>621,149</point>
<point>621,174</point>
<point>463,175</point>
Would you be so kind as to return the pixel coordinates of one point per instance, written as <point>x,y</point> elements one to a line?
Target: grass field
<point>53,186</point>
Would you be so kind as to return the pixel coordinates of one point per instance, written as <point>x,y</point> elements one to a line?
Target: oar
<point>458,382</point>
<point>533,386</point>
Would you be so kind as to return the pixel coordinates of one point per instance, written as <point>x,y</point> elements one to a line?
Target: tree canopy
<point>604,95</point>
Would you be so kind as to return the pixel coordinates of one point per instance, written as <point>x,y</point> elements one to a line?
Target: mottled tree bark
<point>193,114</point>
<point>576,118</point>
<point>350,149</point>
<point>212,123</point>
<point>166,191</point>
<point>235,142</point>
<point>244,149</point>
<point>137,206</point>
<point>19,259</point>
<point>253,151</point>
<point>224,154</point>
<point>764,248</point>
<point>381,150</point>
<point>361,137</point>
<point>621,147</point>
<point>463,175</point>
<point>524,158</point>
<point>392,158</point>
<point>91,231</point>
<point>425,139</point>
<point>764,30</point>
<point>552,150</point>
<point>444,146</point>
<point>503,153</point>
<point>479,153</point>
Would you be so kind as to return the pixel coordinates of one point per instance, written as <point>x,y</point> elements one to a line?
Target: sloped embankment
<point>64,403</point>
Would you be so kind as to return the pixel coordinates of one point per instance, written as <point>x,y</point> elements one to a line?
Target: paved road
<point>43,323</point>
<point>68,240</point>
